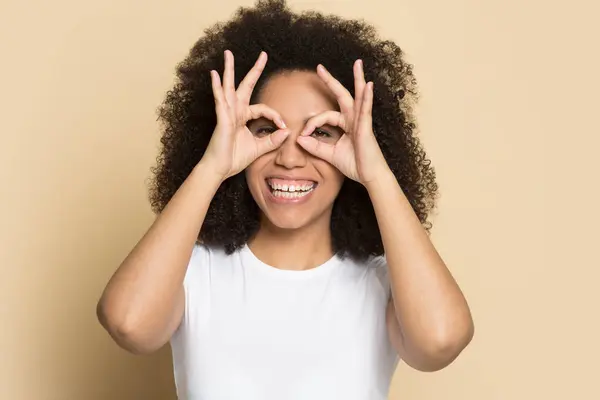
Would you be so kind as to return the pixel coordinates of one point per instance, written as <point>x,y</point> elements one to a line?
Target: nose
<point>290,154</point>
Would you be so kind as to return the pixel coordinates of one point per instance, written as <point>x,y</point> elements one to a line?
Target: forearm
<point>143,301</point>
<point>433,315</point>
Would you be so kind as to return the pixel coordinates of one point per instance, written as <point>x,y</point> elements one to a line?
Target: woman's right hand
<point>233,146</point>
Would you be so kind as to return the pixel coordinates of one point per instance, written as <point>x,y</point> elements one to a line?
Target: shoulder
<point>202,260</point>
<point>376,262</point>
<point>199,257</point>
<point>377,266</point>
<point>202,255</point>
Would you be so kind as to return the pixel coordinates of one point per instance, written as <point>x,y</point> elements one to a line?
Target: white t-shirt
<point>254,332</point>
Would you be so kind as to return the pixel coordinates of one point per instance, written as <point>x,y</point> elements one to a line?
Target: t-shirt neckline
<point>289,273</point>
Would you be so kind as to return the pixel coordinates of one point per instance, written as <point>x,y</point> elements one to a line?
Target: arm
<point>428,318</point>
<point>143,303</point>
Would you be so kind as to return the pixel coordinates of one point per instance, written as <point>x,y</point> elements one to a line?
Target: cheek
<point>253,173</point>
<point>332,175</point>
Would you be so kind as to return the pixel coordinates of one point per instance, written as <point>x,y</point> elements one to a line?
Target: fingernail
<point>281,123</point>
<point>360,63</point>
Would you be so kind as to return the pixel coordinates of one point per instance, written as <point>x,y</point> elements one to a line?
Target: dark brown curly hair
<point>293,42</point>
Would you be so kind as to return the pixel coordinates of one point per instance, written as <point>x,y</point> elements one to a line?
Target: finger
<point>342,94</point>
<point>317,148</point>
<point>359,82</point>
<point>365,121</point>
<point>217,89</point>
<point>229,78</point>
<point>249,82</point>
<point>333,118</point>
<point>257,111</point>
<point>271,142</point>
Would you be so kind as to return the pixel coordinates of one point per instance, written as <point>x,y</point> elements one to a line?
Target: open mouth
<point>290,190</point>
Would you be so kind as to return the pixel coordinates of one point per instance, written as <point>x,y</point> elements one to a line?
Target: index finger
<point>247,85</point>
<point>343,96</point>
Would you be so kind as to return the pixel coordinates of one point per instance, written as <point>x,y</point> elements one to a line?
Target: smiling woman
<point>291,176</point>
<point>290,251</point>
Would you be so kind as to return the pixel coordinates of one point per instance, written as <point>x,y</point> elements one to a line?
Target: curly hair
<point>294,42</point>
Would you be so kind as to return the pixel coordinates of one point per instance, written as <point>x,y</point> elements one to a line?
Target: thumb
<point>317,148</point>
<point>272,141</point>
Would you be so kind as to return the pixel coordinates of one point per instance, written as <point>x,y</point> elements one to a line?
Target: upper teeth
<point>291,188</point>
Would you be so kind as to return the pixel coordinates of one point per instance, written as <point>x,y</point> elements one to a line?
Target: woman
<point>290,258</point>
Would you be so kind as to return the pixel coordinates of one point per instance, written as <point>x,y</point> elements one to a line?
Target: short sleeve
<point>198,262</point>
<point>195,282</point>
<point>380,268</point>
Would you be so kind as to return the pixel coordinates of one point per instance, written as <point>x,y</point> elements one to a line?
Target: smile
<point>290,189</point>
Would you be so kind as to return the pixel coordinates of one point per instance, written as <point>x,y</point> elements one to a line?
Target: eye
<point>320,133</point>
<point>264,130</point>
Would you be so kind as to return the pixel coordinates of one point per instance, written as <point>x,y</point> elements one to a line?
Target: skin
<point>290,232</point>
<point>322,133</point>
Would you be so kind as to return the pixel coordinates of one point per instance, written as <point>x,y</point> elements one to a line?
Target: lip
<point>290,178</point>
<point>282,200</point>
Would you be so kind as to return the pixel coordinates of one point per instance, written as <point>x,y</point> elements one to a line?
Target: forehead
<point>297,93</point>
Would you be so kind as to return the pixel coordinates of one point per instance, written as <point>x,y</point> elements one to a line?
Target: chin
<point>286,222</point>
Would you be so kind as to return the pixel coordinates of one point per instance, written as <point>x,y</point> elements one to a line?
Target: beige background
<point>508,114</point>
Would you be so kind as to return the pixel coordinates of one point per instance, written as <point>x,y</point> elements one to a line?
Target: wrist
<point>207,172</point>
<point>382,181</point>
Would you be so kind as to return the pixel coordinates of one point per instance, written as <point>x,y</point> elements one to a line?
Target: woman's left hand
<point>356,154</point>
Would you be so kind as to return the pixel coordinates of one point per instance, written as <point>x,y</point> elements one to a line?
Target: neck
<point>293,249</point>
